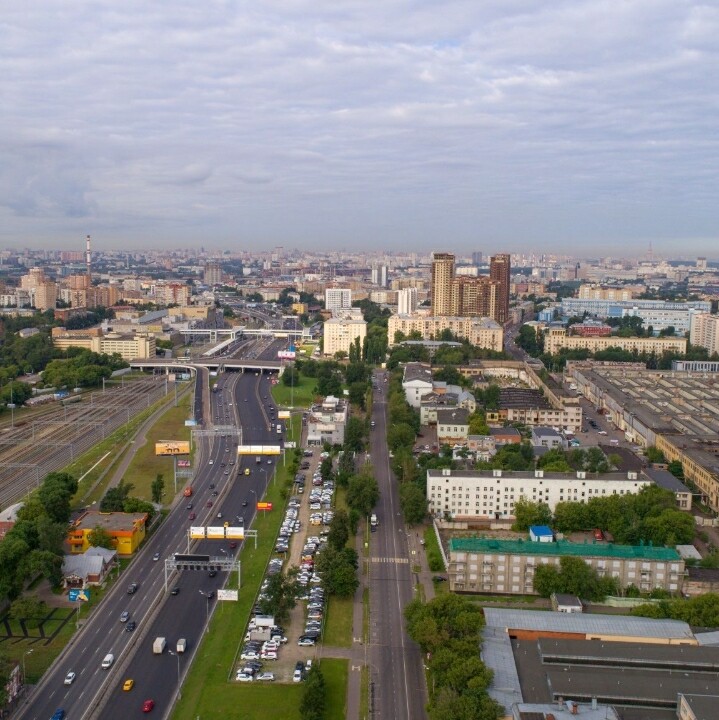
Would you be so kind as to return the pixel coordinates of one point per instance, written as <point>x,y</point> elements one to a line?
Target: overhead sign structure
<point>231,595</point>
<point>264,506</point>
<point>235,533</point>
<point>214,532</point>
<point>283,414</point>
<point>174,447</point>
<point>189,557</point>
<point>259,450</point>
<point>197,533</point>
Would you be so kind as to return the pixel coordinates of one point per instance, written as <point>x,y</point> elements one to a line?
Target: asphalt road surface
<point>97,692</point>
<point>396,675</point>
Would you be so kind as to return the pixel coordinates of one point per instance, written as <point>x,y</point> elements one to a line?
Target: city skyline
<point>570,126</point>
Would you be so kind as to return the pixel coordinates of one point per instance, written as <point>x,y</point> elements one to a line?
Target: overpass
<point>239,331</point>
<point>220,364</point>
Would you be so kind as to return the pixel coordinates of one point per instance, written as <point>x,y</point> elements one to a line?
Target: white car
<point>269,655</point>
<point>601,432</point>
<point>243,677</point>
<point>70,678</point>
<point>297,677</point>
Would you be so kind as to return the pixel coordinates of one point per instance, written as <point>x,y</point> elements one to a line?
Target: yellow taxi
<point>247,471</point>
<point>128,684</point>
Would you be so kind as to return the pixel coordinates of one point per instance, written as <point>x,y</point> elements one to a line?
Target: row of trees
<point>575,577</point>
<point>82,369</point>
<point>34,545</point>
<point>701,611</point>
<point>448,630</point>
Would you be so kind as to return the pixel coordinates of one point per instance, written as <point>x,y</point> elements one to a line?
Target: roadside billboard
<point>172,447</point>
<point>183,463</point>
<point>78,595</point>
<point>231,595</point>
<point>264,506</point>
<point>283,414</point>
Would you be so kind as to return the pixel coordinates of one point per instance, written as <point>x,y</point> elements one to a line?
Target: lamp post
<point>179,688</point>
<point>25,654</point>
<point>207,609</point>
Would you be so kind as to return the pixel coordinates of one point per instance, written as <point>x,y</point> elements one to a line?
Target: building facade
<point>482,332</point>
<point>509,566</point>
<point>500,272</point>
<point>341,332</point>
<point>126,529</point>
<point>441,288</point>
<point>326,422</point>
<point>704,331</point>
<point>557,338</point>
<point>407,301</point>
<point>338,300</point>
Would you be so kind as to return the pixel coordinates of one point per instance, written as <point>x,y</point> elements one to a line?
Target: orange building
<point>126,529</point>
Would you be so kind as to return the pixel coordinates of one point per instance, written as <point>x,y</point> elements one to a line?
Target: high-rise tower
<point>499,271</point>
<point>442,276</point>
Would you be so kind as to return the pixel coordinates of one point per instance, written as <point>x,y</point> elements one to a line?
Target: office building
<point>499,272</point>
<point>338,300</point>
<point>380,275</point>
<point>557,338</point>
<point>407,301</point>
<point>603,308</point>
<point>442,276</point>
<point>704,331</point>
<point>129,346</point>
<point>476,258</point>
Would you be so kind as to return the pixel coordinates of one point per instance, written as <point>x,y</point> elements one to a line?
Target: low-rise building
<point>506,435</point>
<point>326,422</point>
<point>557,338</point>
<point>126,529</point>
<point>452,426</point>
<point>665,480</point>
<point>547,437</point>
<point>700,581</point>
<point>90,568</point>
<point>128,346</point>
<point>488,565</point>
<point>416,383</point>
<point>492,494</point>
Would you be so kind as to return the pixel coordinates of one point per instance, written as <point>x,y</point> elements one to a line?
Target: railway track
<point>42,446</point>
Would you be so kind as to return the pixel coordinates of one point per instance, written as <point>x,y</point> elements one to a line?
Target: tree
<point>413,503</point>
<point>478,424</point>
<point>157,488</point>
<point>529,513</point>
<point>115,497</point>
<point>357,393</point>
<point>339,531</point>
<point>654,455</point>
<point>314,696</point>
<point>280,595</point>
<point>99,537</point>
<point>30,609</point>
<point>362,492</point>
<point>291,376</point>
<point>339,571</point>
<point>355,432</point>
<point>573,576</point>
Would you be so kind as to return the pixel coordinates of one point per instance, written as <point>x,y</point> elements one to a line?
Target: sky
<point>588,127</point>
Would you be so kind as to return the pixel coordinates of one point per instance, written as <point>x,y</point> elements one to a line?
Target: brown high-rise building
<point>442,276</point>
<point>499,271</point>
<point>474,296</point>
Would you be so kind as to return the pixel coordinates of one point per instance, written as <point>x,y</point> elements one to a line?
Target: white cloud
<point>457,123</point>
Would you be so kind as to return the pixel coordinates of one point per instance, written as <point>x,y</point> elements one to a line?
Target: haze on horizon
<point>516,125</point>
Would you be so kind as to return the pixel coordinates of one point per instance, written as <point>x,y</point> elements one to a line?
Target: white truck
<point>181,645</point>
<point>158,646</point>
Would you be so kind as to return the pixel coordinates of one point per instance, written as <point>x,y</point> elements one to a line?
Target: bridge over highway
<point>220,364</point>
<point>239,331</point>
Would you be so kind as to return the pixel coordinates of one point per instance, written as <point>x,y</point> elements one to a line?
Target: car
<point>156,557</point>
<point>128,684</point>
<point>266,676</point>
<point>69,678</point>
<point>601,432</point>
<point>244,503</point>
<point>269,655</point>
<point>306,641</point>
<point>175,590</point>
<point>214,493</point>
<point>297,677</point>
<point>188,506</point>
<point>148,705</point>
<point>212,486</point>
<point>132,588</point>
<point>212,462</point>
<point>269,462</point>
<point>192,516</point>
<point>219,515</point>
<point>244,677</point>
<point>125,616</point>
<point>59,714</point>
<point>439,578</point>
<point>212,573</point>
<point>209,503</point>
<point>247,471</point>
<point>130,626</point>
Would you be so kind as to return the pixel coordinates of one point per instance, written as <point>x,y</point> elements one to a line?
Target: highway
<point>97,692</point>
<point>396,673</point>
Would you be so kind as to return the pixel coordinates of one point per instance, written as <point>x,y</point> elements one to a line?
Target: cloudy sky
<point>552,125</point>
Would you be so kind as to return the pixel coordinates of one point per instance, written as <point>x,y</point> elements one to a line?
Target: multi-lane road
<point>97,692</point>
<point>396,674</point>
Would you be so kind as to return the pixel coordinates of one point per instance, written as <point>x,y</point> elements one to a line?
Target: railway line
<point>45,445</point>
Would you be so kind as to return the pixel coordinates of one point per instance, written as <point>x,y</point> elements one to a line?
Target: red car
<point>233,544</point>
<point>192,516</point>
<point>209,503</point>
<point>148,705</point>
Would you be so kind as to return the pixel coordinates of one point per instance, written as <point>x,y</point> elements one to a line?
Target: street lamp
<point>23,665</point>
<point>207,608</point>
<point>177,655</point>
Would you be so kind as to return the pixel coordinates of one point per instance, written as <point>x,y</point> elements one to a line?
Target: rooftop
<point>664,479</point>
<point>562,548</point>
<point>453,415</point>
<point>532,474</point>
<point>109,521</point>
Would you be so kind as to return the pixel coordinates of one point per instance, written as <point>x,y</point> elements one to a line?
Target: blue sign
<point>78,595</point>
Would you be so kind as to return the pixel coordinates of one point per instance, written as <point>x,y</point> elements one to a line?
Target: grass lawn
<point>146,465</point>
<point>434,556</point>
<point>335,673</point>
<point>208,691</point>
<point>338,626</point>
<point>303,396</point>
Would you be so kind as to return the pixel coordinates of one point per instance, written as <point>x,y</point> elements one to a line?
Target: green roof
<point>562,547</point>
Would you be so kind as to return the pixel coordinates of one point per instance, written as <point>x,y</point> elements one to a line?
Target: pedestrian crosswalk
<point>394,560</point>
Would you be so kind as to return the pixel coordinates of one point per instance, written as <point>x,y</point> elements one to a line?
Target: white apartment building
<point>338,300</point>
<point>341,332</point>
<point>705,331</point>
<point>407,301</point>
<point>491,494</point>
<point>326,422</point>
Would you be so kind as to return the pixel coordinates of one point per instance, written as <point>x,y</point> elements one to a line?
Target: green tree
<point>339,571</point>
<point>280,595</point>
<point>157,488</point>
<point>362,492</point>
<point>528,513</point>
<point>355,433</point>
<point>413,503</point>
<point>291,376</point>
<point>339,531</point>
<point>99,537</point>
<point>114,498</point>
<point>314,696</point>
<point>654,455</point>
<point>30,609</point>
<point>478,424</point>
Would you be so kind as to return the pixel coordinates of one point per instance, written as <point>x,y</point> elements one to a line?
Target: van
<point>107,661</point>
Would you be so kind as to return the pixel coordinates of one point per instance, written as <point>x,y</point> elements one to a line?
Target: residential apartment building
<point>704,331</point>
<point>341,332</point>
<point>492,494</point>
<point>380,275</point>
<point>482,332</point>
<point>474,296</point>
<point>338,300</point>
<point>407,301</point>
<point>326,423</point>
<point>499,272</point>
<point>212,274</point>
<point>599,292</point>
<point>129,347</point>
<point>441,288</point>
<point>557,338</point>
<point>488,565</point>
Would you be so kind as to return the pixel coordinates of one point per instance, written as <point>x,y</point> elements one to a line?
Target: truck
<point>187,492</point>
<point>181,645</point>
<point>158,645</point>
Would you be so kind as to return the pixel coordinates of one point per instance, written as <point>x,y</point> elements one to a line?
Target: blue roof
<point>540,530</point>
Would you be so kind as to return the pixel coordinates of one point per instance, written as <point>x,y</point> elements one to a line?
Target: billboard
<point>197,533</point>
<point>235,533</point>
<point>173,447</point>
<point>215,533</point>
<point>283,414</point>
<point>286,355</point>
<point>183,463</point>
<point>264,506</point>
<point>78,595</point>
<point>232,595</point>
